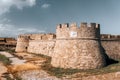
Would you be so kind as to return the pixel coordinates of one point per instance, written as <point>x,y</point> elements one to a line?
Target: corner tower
<point>78,47</point>
<point>22,43</point>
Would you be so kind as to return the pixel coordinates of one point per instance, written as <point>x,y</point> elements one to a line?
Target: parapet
<point>66,26</point>
<point>110,37</point>
<point>23,38</point>
<point>85,30</point>
<point>62,26</point>
<point>49,36</point>
<point>83,24</point>
<point>92,25</point>
<point>91,30</point>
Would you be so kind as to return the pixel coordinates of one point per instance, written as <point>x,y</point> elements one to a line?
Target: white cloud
<point>5,5</point>
<point>4,20</point>
<point>46,5</point>
<point>7,30</point>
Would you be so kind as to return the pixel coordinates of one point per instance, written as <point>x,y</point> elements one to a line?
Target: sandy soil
<point>15,60</point>
<point>3,69</point>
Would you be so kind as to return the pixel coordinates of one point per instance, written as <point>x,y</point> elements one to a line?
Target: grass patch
<point>5,60</point>
<point>10,51</point>
<point>7,49</point>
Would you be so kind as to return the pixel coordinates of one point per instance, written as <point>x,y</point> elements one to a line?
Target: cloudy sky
<point>42,16</point>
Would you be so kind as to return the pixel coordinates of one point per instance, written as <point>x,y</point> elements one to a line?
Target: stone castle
<point>73,47</point>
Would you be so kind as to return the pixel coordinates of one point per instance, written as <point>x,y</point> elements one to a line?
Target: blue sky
<point>42,16</point>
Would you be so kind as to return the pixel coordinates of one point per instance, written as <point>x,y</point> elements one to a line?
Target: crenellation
<point>98,26</point>
<point>87,31</point>
<point>73,24</point>
<point>65,25</point>
<point>59,26</point>
<point>74,27</point>
<point>110,37</point>
<point>83,24</point>
<point>84,31</point>
<point>93,25</point>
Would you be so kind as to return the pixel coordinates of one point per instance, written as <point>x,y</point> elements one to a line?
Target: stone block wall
<point>111,45</point>
<point>25,41</point>
<point>45,47</point>
<point>112,48</point>
<point>80,54</point>
<point>22,43</point>
<point>49,36</point>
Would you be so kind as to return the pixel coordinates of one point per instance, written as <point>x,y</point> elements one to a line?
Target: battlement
<point>85,30</point>
<point>66,26</point>
<point>21,36</point>
<point>83,24</point>
<point>110,37</point>
<point>25,37</point>
<point>92,25</point>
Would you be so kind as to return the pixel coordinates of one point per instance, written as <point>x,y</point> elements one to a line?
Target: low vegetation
<point>60,72</point>
<point>7,49</point>
<point>4,59</point>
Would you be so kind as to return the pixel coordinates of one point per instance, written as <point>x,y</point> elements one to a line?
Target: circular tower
<point>80,48</point>
<point>22,43</point>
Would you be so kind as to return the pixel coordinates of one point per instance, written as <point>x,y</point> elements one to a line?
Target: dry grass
<point>23,67</point>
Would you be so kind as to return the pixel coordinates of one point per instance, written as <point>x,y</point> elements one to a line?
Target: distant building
<point>8,42</point>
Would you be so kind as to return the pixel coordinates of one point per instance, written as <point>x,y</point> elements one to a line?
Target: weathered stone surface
<point>81,54</point>
<point>112,48</point>
<point>41,47</point>
<point>22,44</point>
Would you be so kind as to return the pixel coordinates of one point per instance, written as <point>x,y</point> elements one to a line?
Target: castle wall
<point>111,45</point>
<point>112,48</point>
<point>41,44</point>
<point>35,43</point>
<point>44,47</point>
